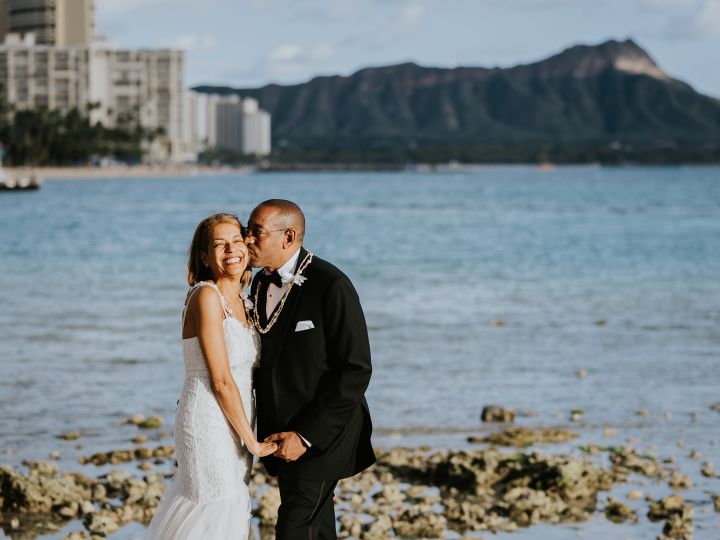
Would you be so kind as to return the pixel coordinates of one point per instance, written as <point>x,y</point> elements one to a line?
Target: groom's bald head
<point>288,214</point>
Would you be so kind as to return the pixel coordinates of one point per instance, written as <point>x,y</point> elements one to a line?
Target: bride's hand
<point>262,449</point>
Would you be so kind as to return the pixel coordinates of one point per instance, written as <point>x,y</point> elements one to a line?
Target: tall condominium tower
<point>53,22</point>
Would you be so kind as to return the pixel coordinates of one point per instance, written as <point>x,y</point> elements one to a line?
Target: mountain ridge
<point>584,96</point>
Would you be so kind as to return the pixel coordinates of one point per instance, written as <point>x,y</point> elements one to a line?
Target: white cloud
<point>667,4</point>
<point>707,20</point>
<point>286,53</point>
<point>411,14</point>
<point>121,7</point>
<point>295,53</point>
<point>193,43</point>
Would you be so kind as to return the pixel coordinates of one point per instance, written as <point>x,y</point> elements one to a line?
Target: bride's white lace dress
<point>208,497</point>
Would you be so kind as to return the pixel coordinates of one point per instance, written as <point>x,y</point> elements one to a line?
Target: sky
<point>249,43</point>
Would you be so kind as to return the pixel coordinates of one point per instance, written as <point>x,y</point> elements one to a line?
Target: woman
<point>214,436</point>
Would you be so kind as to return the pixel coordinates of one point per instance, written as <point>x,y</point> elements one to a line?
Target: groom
<point>314,370</point>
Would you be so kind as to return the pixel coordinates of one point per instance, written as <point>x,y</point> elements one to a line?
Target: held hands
<point>289,445</point>
<point>262,449</point>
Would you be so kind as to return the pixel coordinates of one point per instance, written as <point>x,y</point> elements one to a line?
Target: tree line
<point>42,137</point>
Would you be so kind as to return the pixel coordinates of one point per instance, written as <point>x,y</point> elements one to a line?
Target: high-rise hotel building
<point>52,22</point>
<point>49,58</point>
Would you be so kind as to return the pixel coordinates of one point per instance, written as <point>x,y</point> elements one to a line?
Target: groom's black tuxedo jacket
<point>314,381</point>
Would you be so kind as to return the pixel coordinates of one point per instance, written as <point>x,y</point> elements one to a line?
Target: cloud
<point>411,14</point>
<point>121,7</point>
<point>667,4</point>
<point>701,22</point>
<point>193,43</point>
<point>285,53</point>
<point>297,54</point>
<point>707,20</point>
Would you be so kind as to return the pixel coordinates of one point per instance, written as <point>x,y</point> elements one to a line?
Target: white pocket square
<point>304,325</point>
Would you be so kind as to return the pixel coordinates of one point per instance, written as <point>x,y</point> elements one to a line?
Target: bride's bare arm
<point>207,313</point>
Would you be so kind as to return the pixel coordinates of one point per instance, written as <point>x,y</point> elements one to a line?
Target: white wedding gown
<point>208,497</point>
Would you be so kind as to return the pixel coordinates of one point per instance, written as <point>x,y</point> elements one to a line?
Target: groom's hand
<point>290,445</point>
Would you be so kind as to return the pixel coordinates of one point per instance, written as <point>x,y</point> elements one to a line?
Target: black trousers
<point>306,510</point>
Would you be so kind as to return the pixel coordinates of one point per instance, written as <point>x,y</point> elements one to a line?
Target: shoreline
<point>130,171</point>
<point>190,171</point>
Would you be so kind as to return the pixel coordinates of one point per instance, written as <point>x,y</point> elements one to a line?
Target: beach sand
<point>120,171</point>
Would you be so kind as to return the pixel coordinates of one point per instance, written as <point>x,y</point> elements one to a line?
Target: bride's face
<point>227,254</point>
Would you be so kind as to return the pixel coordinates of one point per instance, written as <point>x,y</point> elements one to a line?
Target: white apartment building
<point>52,22</point>
<point>117,86</point>
<point>256,136</point>
<point>231,123</point>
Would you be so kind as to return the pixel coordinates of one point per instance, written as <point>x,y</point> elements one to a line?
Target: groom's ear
<point>290,237</point>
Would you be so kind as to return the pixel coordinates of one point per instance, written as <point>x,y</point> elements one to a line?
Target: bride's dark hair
<point>196,270</point>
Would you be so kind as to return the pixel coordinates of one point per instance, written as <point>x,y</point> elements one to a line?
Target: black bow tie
<point>272,277</point>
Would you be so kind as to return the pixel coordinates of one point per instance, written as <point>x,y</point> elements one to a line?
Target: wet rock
<point>419,521</point>
<point>135,419</point>
<point>495,413</point>
<point>716,502</point>
<point>521,437</point>
<point>268,504</point>
<point>72,436</point>
<point>39,492</point>
<point>677,528</point>
<point>610,432</point>
<point>378,529</point>
<point>151,422</point>
<point>102,523</point>
<point>664,508</point>
<point>680,481</point>
<point>76,535</point>
<point>350,525</point>
<point>627,460</point>
<point>708,470</point>
<point>114,457</point>
<point>618,512</point>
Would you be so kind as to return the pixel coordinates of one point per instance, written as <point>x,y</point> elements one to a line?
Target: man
<point>314,370</point>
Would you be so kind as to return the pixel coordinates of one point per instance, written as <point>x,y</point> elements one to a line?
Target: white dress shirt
<point>275,293</point>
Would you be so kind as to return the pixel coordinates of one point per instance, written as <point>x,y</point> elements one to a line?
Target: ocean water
<point>494,285</point>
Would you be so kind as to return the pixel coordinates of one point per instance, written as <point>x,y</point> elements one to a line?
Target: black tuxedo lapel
<point>262,301</point>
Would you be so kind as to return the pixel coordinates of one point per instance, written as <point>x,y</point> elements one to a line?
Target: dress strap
<point>227,312</point>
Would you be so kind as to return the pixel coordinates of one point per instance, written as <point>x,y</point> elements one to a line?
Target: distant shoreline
<point>130,171</point>
<point>174,171</point>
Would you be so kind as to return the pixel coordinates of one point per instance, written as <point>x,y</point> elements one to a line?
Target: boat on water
<point>22,183</point>
<point>19,182</point>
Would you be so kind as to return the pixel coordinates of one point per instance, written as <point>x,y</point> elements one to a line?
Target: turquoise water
<point>611,270</point>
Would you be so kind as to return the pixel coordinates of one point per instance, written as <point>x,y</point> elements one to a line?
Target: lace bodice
<point>242,342</point>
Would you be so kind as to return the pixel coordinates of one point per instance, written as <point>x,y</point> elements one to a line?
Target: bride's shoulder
<point>203,298</point>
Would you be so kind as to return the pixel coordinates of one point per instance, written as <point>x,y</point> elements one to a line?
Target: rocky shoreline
<point>409,493</point>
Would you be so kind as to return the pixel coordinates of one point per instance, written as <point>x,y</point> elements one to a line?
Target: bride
<point>214,436</point>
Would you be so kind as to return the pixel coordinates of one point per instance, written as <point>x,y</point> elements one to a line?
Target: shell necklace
<point>256,316</point>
